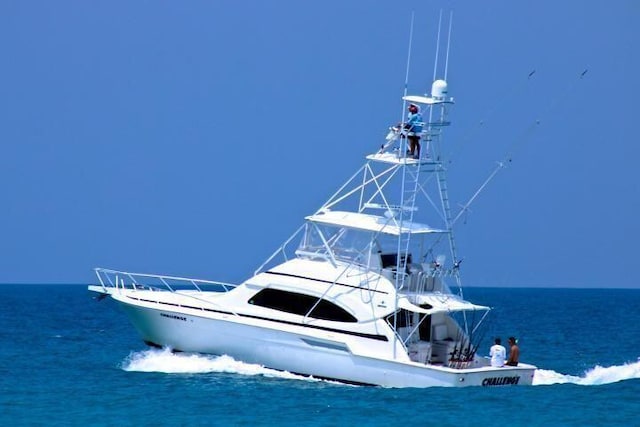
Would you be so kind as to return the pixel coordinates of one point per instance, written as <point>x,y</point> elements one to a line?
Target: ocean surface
<point>68,359</point>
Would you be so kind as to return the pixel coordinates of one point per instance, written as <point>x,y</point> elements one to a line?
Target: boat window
<point>401,319</point>
<point>292,302</point>
<point>390,260</point>
<point>424,329</point>
<point>344,244</point>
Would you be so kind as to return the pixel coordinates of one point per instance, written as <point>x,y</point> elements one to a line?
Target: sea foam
<point>165,361</point>
<point>594,376</point>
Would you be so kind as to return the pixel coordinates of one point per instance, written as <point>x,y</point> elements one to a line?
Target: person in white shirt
<point>498,353</point>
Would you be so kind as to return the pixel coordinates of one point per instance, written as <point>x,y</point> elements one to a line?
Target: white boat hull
<point>363,297</point>
<point>322,355</point>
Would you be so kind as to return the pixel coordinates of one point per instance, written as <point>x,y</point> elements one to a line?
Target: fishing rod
<point>453,354</point>
<point>477,345</point>
<point>458,355</point>
<point>474,345</point>
<point>458,361</point>
<point>465,356</point>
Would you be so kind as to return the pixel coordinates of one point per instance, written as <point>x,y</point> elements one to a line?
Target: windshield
<point>342,243</point>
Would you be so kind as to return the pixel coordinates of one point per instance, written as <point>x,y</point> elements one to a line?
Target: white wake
<point>594,376</point>
<point>163,360</point>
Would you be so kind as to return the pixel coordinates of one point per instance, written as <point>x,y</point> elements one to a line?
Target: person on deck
<point>414,128</point>
<point>514,352</point>
<point>498,353</point>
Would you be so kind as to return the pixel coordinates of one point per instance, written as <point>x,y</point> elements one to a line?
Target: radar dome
<point>439,89</point>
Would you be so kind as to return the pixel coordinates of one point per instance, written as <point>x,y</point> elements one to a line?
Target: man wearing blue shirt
<point>414,128</point>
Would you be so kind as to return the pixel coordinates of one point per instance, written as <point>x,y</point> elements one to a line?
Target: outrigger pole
<point>515,89</point>
<point>435,63</point>
<point>516,143</point>
<point>404,91</point>
<point>446,62</point>
<point>406,75</point>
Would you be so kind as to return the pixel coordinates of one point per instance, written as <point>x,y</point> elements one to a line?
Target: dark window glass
<point>295,303</point>
<point>425,326</point>
<point>391,260</point>
<point>401,319</point>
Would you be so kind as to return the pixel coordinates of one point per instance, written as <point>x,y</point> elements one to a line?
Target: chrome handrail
<point>115,279</point>
<point>137,280</point>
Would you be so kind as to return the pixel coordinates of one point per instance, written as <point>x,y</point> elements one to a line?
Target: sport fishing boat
<point>361,293</point>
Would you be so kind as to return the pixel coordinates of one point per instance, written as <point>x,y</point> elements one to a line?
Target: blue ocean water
<point>71,360</point>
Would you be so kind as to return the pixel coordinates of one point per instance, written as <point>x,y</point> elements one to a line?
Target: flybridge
<point>393,213</point>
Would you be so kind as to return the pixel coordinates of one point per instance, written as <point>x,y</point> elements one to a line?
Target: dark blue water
<point>67,359</point>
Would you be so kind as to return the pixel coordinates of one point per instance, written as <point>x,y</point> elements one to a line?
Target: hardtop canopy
<point>369,222</point>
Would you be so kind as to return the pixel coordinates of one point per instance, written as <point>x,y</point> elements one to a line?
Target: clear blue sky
<point>191,138</point>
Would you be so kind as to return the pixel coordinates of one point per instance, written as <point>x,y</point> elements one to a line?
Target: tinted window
<point>391,260</point>
<point>295,303</point>
<point>401,319</point>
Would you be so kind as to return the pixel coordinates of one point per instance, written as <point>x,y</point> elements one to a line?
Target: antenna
<point>406,77</point>
<point>446,64</point>
<point>435,65</point>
